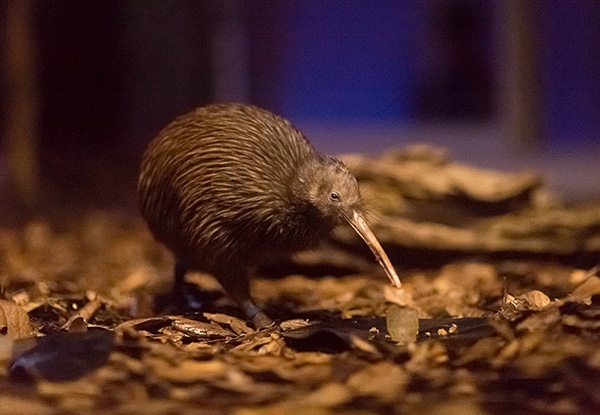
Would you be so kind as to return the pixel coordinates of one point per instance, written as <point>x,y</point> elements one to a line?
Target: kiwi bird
<point>227,186</point>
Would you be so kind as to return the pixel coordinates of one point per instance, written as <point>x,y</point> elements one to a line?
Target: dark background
<point>353,75</point>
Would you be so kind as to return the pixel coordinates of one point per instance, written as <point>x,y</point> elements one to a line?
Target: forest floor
<point>505,287</point>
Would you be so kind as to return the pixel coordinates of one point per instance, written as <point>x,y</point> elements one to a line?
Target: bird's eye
<point>334,196</point>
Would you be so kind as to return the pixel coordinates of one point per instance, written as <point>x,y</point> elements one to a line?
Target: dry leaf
<point>24,405</point>
<point>200,329</point>
<point>398,296</point>
<point>384,380</point>
<point>16,321</point>
<point>589,287</point>
<point>330,395</point>
<point>237,325</point>
<point>294,324</point>
<point>189,371</point>
<point>532,300</point>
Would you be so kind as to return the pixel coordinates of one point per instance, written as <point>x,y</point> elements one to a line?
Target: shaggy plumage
<point>227,186</point>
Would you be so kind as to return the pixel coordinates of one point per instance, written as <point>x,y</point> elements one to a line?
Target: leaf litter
<point>508,309</point>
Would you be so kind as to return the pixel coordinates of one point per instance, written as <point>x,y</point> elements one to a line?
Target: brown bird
<point>227,186</point>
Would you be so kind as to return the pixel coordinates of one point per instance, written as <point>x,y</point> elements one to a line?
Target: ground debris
<point>496,333</point>
<point>14,321</point>
<point>477,321</point>
<point>425,201</point>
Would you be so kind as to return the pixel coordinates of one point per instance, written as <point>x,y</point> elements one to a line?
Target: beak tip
<point>357,221</point>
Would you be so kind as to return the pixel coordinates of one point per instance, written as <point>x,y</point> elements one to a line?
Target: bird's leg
<point>258,317</point>
<point>180,271</point>
<point>187,294</point>
<point>237,286</point>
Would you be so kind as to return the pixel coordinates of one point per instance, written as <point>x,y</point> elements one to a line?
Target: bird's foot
<point>258,317</point>
<point>185,297</point>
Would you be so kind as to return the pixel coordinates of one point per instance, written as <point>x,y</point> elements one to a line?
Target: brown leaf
<point>78,322</point>
<point>264,344</point>
<point>330,395</point>
<point>189,371</point>
<point>200,329</point>
<point>152,324</point>
<point>532,300</point>
<point>16,320</point>
<point>25,405</point>
<point>384,380</point>
<point>294,324</point>
<point>237,325</point>
<point>588,287</point>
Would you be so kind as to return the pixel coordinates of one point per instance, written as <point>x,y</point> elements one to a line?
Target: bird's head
<point>332,191</point>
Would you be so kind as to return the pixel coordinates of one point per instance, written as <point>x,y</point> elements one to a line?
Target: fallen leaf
<point>16,321</point>
<point>200,329</point>
<point>294,324</point>
<point>25,405</point>
<point>237,325</point>
<point>532,300</point>
<point>330,395</point>
<point>189,371</point>
<point>384,380</point>
<point>589,287</point>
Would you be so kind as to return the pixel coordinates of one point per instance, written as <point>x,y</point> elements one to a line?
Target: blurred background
<point>506,84</point>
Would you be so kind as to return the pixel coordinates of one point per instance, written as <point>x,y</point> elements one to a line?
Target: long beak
<point>357,221</point>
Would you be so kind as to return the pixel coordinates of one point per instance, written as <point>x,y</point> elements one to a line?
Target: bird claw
<point>258,317</point>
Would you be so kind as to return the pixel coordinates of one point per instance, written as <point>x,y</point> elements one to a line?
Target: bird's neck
<point>302,225</point>
<point>300,220</point>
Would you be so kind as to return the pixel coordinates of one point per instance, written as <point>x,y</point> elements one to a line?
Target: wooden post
<point>21,101</point>
<point>520,83</point>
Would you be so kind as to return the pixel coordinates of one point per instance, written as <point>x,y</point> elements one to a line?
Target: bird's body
<point>228,186</point>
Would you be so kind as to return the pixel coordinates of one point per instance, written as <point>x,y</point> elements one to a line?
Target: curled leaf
<point>14,321</point>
